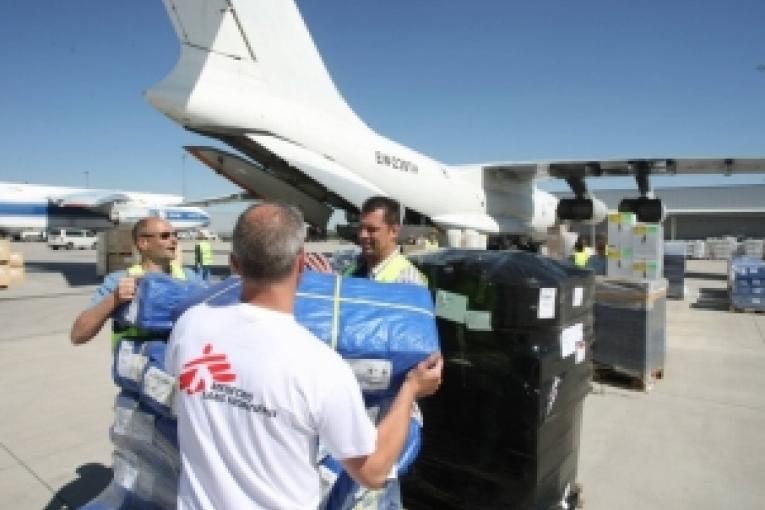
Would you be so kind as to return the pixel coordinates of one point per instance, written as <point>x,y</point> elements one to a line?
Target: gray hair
<point>267,239</point>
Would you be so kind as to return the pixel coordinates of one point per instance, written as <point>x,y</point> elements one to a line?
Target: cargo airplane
<point>250,75</point>
<point>34,207</point>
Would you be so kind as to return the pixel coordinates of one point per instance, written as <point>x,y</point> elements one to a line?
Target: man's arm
<point>372,471</point>
<point>89,323</point>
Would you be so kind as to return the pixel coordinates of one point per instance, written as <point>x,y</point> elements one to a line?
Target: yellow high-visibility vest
<point>580,258</point>
<point>205,252</point>
<point>394,268</point>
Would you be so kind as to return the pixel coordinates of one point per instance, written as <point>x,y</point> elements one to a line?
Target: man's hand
<point>425,378</point>
<point>125,290</point>
<point>318,262</point>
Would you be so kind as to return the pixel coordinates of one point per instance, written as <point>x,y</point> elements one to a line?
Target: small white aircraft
<point>249,74</point>
<point>33,207</point>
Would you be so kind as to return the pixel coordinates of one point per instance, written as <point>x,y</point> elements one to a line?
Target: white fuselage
<point>266,78</point>
<point>36,207</point>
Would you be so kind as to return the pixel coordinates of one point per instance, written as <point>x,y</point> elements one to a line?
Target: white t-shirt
<point>256,391</point>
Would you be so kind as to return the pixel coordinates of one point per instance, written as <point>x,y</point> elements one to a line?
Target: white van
<point>71,239</point>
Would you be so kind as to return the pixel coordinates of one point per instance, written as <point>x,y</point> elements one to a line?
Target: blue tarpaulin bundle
<point>383,330</point>
<point>156,300</point>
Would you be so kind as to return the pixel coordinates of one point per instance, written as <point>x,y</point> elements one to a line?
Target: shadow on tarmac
<point>75,273</point>
<point>93,479</point>
<point>707,276</point>
<point>712,299</point>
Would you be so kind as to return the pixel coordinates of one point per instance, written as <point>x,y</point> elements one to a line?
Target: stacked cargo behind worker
<point>503,431</point>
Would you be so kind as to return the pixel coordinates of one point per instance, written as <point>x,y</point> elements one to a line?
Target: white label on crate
<point>137,364</point>
<point>125,359</point>
<point>568,339</point>
<point>546,308</point>
<point>580,351</point>
<point>756,300</point>
<point>478,321</point>
<point>372,374</point>
<point>451,306</point>
<point>578,296</point>
<point>159,386</point>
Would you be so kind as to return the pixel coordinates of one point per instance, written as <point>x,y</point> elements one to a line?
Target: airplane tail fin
<point>246,51</point>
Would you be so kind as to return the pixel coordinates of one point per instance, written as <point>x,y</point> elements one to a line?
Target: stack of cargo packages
<point>746,284</point>
<point>752,248</point>
<point>146,460</point>
<point>722,249</point>
<point>630,326</point>
<point>697,249</point>
<point>503,430</point>
<point>11,265</point>
<point>674,268</point>
<point>382,330</point>
<point>635,250</point>
<point>115,250</point>
<point>5,254</point>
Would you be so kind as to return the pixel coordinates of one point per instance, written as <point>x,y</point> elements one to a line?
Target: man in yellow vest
<point>156,241</point>
<point>581,253</point>
<point>380,257</point>
<point>380,260</point>
<point>203,256</point>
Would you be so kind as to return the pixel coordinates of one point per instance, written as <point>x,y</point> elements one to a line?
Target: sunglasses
<point>162,235</point>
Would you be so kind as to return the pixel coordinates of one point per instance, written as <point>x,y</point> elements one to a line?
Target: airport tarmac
<point>695,441</point>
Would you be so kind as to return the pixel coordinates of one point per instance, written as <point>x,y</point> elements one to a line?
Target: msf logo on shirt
<point>199,374</point>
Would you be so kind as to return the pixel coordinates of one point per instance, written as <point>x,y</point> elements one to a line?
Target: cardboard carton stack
<point>635,250</point>
<point>722,249</point>
<point>11,265</point>
<point>115,250</point>
<point>752,248</point>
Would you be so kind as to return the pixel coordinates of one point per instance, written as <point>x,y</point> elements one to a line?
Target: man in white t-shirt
<point>257,390</point>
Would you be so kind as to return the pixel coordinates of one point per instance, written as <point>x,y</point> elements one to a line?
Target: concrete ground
<point>693,442</point>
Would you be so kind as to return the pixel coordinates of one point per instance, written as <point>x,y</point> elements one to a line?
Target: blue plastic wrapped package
<point>151,437</point>
<point>157,298</point>
<point>381,329</point>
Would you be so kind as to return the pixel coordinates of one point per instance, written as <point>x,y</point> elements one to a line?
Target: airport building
<point>700,212</point>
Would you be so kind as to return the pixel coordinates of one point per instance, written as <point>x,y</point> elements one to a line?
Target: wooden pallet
<point>612,375</point>
<point>744,310</point>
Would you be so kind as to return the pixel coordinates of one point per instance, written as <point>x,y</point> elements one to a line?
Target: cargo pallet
<point>628,379</point>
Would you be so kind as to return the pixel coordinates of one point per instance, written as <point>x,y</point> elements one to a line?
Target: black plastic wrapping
<point>503,430</point>
<point>630,325</point>
<point>510,284</point>
<point>674,272</point>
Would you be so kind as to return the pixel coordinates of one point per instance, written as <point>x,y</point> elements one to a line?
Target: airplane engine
<point>647,210</point>
<point>588,210</point>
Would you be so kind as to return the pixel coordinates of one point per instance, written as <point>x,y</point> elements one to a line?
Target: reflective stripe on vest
<point>205,252</point>
<point>393,269</point>
<point>136,271</point>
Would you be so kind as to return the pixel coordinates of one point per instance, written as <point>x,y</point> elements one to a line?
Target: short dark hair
<point>266,242</point>
<point>391,209</point>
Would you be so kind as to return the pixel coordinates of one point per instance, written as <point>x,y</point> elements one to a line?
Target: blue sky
<point>461,81</point>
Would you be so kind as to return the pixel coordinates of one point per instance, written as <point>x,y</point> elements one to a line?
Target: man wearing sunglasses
<point>157,242</point>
